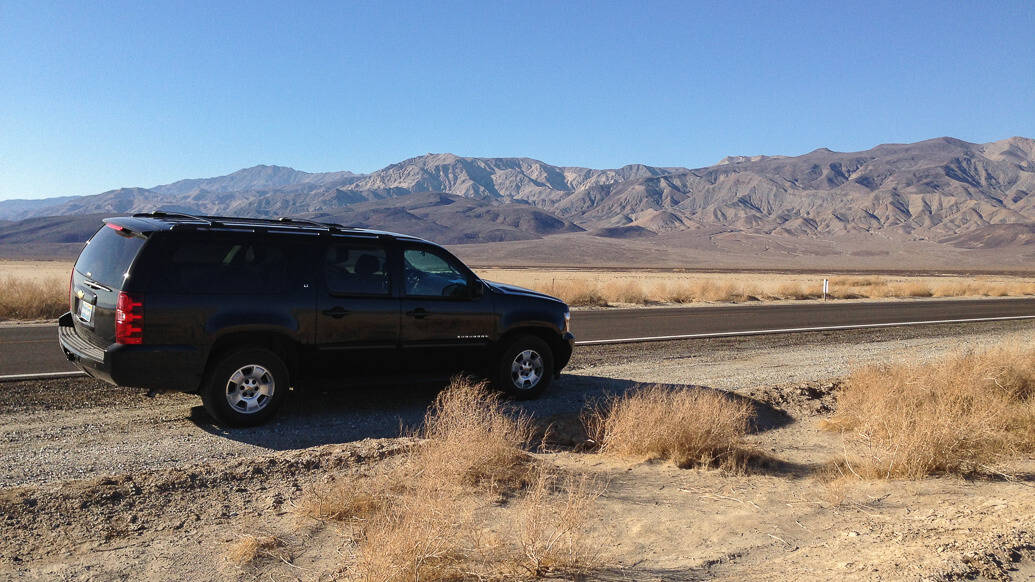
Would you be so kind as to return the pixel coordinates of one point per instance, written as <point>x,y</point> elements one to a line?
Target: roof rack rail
<point>328,225</point>
<point>163,214</point>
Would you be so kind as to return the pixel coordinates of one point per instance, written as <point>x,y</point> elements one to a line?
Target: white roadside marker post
<point>826,288</point>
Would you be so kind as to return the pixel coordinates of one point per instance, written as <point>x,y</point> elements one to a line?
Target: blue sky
<point>99,95</point>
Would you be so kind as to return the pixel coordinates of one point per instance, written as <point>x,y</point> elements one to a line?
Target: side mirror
<point>477,289</point>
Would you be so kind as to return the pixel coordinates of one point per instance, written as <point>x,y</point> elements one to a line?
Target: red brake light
<point>113,226</point>
<point>129,315</point>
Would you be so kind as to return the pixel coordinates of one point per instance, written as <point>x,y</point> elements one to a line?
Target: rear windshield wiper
<point>95,285</point>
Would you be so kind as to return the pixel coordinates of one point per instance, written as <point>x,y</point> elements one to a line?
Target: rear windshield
<point>108,255</point>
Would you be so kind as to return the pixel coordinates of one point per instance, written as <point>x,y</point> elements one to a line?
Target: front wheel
<point>245,387</point>
<point>525,369</point>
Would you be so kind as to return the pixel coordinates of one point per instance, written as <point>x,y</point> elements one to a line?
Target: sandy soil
<point>108,485</point>
<point>711,249</point>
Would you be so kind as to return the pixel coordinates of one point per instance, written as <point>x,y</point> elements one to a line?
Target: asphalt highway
<point>33,349</point>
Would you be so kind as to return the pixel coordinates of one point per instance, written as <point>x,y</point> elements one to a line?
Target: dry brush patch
<point>690,427</point>
<point>601,288</point>
<point>249,548</point>
<point>28,298</point>
<point>467,503</point>
<point>959,415</point>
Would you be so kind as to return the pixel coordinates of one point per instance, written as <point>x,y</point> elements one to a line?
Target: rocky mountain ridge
<point>939,189</point>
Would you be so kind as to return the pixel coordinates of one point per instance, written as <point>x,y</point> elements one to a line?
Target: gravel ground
<point>61,429</point>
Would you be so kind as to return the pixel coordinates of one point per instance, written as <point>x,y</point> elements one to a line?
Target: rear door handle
<point>337,312</point>
<point>419,313</point>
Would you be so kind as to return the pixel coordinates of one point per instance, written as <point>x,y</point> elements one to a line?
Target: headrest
<point>367,265</point>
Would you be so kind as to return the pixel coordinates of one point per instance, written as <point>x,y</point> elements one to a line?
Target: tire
<point>525,368</point>
<point>245,387</point>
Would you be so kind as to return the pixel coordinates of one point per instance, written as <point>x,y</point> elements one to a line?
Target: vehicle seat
<point>369,277</point>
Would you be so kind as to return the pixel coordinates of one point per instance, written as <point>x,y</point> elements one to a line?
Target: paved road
<point>29,350</point>
<point>602,325</point>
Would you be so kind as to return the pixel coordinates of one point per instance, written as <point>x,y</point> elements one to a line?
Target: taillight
<point>129,315</point>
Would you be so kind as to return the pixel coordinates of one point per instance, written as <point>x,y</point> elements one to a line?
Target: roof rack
<point>164,214</point>
<point>240,221</point>
<point>328,225</point>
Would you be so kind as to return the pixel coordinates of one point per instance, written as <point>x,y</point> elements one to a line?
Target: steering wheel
<point>413,279</point>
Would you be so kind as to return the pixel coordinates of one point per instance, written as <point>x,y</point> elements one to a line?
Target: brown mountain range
<point>946,191</point>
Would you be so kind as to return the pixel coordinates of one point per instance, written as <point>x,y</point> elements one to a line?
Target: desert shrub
<point>246,549</point>
<point>471,440</point>
<point>796,291</point>
<point>677,293</point>
<point>626,292</point>
<point>551,524</point>
<point>32,298</point>
<point>916,289</point>
<point>857,282</point>
<point>598,288</point>
<point>686,426</point>
<point>574,292</point>
<point>957,415</point>
<point>704,291</point>
<point>957,289</point>
<point>433,515</point>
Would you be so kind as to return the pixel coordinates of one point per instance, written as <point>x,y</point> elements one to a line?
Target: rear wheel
<point>245,387</point>
<point>525,369</point>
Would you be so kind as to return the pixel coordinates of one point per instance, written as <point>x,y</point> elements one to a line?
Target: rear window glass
<point>108,256</point>
<point>225,266</point>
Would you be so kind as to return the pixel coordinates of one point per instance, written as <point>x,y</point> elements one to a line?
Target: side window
<point>429,274</point>
<point>351,269</point>
<point>227,266</point>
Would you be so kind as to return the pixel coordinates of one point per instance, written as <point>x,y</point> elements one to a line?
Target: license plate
<point>85,311</point>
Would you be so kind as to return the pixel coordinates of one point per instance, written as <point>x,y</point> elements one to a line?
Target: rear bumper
<point>142,366</point>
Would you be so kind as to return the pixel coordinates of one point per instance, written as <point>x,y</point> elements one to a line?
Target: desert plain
<point>104,483</point>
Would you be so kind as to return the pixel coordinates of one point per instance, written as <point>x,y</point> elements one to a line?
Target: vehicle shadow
<point>318,416</point>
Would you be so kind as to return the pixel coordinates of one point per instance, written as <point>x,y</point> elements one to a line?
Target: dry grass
<point>248,548</point>
<point>574,292</point>
<point>959,415</point>
<point>686,426</point>
<point>552,519</point>
<point>32,298</point>
<point>796,291</point>
<point>702,291</point>
<point>467,503</point>
<point>38,288</point>
<point>600,288</point>
<point>470,440</point>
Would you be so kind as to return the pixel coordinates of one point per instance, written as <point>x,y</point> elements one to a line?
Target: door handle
<point>337,312</point>
<point>419,313</point>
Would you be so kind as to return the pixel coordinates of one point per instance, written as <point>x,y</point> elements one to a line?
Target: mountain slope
<point>939,186</point>
<point>254,179</point>
<point>931,190</point>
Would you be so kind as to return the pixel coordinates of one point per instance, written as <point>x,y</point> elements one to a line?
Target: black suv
<point>240,309</point>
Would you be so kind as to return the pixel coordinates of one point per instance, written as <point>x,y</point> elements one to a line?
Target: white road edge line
<point>16,377</point>
<point>659,338</point>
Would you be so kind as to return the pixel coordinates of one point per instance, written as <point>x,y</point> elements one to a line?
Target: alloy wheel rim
<point>526,370</point>
<point>250,389</point>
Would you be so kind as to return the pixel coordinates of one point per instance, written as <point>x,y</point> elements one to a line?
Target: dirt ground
<point>115,486</point>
